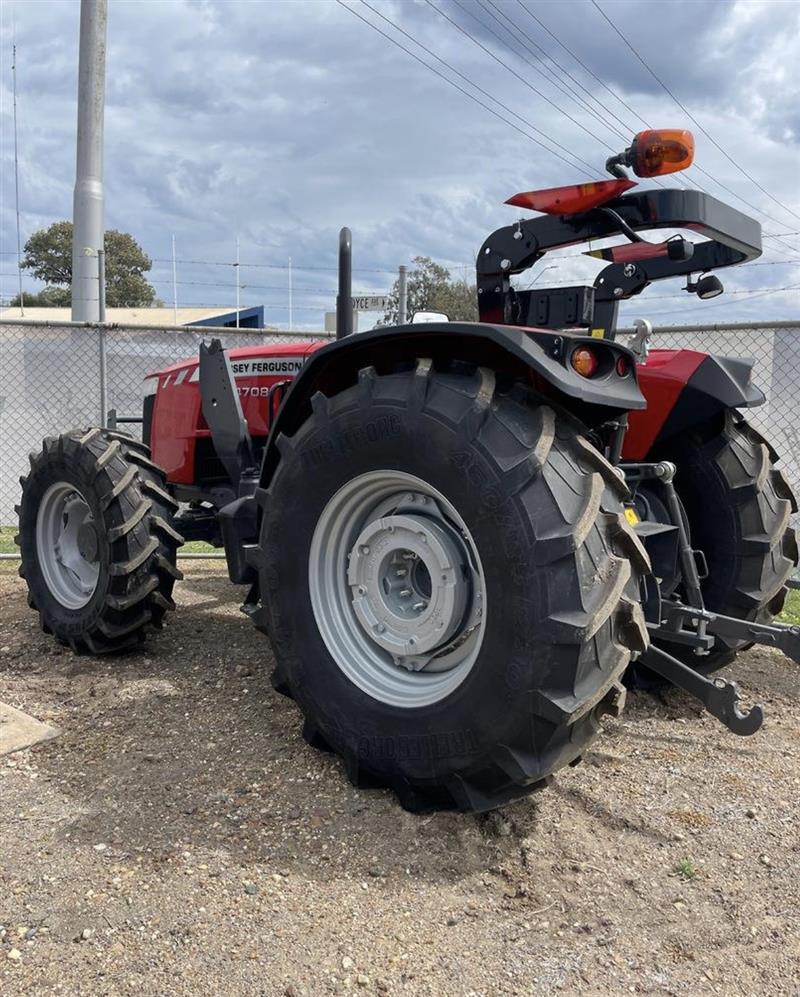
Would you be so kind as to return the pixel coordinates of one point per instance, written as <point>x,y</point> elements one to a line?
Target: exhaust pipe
<point>344,299</point>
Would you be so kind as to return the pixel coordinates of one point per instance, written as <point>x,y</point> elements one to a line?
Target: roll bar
<point>731,237</point>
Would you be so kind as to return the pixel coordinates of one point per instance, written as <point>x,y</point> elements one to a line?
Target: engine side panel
<point>177,423</point>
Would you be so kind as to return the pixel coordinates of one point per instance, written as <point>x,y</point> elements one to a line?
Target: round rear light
<point>622,366</point>
<point>585,361</point>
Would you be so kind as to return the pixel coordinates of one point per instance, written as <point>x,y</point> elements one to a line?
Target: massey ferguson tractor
<point>460,538</point>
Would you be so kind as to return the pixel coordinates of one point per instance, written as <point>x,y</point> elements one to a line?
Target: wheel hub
<point>409,581</point>
<point>397,588</point>
<point>67,545</point>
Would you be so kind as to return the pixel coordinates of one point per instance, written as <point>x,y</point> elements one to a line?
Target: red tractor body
<point>180,439</point>
<point>175,428</point>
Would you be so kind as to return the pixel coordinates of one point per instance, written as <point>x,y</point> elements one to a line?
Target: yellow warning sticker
<point>631,516</point>
<point>598,333</point>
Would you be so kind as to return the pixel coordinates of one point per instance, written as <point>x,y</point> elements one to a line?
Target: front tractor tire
<point>449,584</point>
<point>739,509</point>
<point>96,542</point>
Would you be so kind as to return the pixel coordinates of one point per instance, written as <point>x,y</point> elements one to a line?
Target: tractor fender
<point>685,388</point>
<point>540,357</point>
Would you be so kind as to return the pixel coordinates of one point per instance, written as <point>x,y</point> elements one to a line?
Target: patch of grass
<point>686,868</point>
<point>7,545</point>
<point>791,610</point>
<point>198,547</point>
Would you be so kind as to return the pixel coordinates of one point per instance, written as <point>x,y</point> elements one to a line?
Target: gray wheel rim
<point>67,545</point>
<point>397,588</point>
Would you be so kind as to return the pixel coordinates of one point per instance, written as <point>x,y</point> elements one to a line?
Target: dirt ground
<point>179,837</point>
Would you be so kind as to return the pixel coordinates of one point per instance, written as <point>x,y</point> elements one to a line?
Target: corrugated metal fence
<point>57,376</point>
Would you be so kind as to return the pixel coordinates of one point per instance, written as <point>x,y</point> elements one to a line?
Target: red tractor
<point>459,538</point>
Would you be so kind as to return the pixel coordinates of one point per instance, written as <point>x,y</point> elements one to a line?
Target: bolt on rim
<point>397,588</point>
<point>67,545</point>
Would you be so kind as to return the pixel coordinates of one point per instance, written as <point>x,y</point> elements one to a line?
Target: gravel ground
<point>179,837</point>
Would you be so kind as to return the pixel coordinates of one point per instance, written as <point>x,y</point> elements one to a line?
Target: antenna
<point>237,281</point>
<point>16,176</point>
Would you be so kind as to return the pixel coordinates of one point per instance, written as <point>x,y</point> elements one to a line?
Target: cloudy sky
<point>278,121</point>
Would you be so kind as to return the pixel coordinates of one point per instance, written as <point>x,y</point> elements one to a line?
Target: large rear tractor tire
<point>738,505</point>
<point>96,540</point>
<point>449,584</point>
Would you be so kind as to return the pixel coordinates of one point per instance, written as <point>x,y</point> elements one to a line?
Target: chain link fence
<point>57,376</point>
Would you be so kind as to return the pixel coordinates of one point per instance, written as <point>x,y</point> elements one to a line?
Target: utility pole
<point>402,296</point>
<point>87,208</point>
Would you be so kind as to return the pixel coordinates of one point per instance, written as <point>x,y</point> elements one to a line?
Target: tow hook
<point>719,696</point>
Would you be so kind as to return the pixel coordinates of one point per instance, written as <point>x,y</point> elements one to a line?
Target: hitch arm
<point>719,696</point>
<point>782,636</point>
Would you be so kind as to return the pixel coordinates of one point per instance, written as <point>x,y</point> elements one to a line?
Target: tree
<point>431,289</point>
<point>48,256</point>
<point>49,297</point>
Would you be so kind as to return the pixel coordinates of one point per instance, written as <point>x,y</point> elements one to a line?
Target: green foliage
<point>48,256</point>
<point>49,297</point>
<point>791,608</point>
<point>686,868</point>
<point>431,289</point>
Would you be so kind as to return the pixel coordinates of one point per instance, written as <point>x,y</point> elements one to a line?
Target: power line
<point>511,70</point>
<point>552,78</point>
<point>533,47</point>
<point>470,96</point>
<point>583,65</point>
<point>689,114</point>
<point>461,75</point>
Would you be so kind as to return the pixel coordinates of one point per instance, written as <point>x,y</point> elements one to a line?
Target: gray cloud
<point>280,121</point>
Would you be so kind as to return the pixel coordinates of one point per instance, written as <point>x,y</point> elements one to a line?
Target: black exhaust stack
<point>344,300</point>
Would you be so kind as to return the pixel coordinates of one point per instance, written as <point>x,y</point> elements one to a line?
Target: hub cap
<point>67,545</point>
<point>397,588</point>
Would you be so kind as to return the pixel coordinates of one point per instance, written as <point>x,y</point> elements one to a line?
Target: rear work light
<point>584,360</point>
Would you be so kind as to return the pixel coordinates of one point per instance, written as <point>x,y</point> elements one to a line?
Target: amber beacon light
<point>658,151</point>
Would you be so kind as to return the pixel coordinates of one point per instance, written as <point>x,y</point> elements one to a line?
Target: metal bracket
<point>783,636</point>
<point>719,696</point>
<point>222,411</point>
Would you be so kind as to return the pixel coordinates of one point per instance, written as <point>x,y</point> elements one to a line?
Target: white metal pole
<point>16,177</point>
<point>174,283</point>
<point>87,207</point>
<point>237,281</point>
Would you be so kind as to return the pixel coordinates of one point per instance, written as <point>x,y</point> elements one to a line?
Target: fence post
<point>101,330</point>
<point>101,284</point>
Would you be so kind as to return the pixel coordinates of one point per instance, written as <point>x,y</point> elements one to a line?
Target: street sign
<point>371,303</point>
